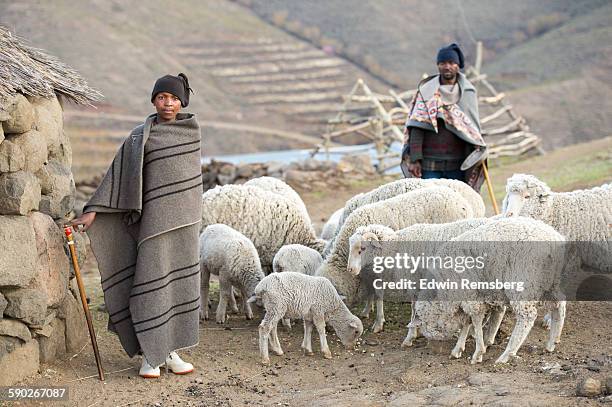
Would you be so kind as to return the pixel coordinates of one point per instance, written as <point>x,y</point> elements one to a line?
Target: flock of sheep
<point>259,240</point>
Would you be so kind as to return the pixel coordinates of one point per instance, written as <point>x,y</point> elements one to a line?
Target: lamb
<point>330,227</point>
<point>233,257</point>
<point>297,258</point>
<point>425,205</point>
<point>268,219</point>
<point>315,300</point>
<point>279,187</point>
<point>539,269</point>
<point>401,186</point>
<point>430,234</point>
<point>581,215</point>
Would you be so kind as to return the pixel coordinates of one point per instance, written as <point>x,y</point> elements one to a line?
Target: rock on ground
<point>72,312</point>
<point>54,345</point>
<point>22,362</point>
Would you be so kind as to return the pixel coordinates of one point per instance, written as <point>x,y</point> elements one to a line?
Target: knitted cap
<point>451,52</point>
<point>176,85</point>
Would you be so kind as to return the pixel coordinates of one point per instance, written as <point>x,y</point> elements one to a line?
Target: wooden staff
<point>490,187</point>
<point>77,272</point>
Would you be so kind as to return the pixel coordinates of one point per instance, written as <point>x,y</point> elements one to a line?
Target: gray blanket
<point>145,238</point>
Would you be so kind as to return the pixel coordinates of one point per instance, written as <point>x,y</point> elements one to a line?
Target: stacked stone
<point>40,318</point>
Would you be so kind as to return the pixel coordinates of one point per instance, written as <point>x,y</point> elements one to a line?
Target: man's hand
<point>85,219</point>
<point>415,169</point>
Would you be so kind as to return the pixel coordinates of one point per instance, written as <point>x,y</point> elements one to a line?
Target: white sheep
<point>404,185</point>
<point>315,300</point>
<point>279,187</point>
<point>297,258</point>
<point>425,205</point>
<point>231,256</point>
<point>364,236</point>
<point>580,216</point>
<point>509,258</point>
<point>268,219</point>
<point>330,227</point>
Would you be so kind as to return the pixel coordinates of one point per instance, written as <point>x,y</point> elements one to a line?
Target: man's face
<point>448,70</point>
<point>167,106</point>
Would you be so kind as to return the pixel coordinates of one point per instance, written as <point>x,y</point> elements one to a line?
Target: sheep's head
<point>349,331</point>
<point>521,188</point>
<point>434,322</point>
<point>365,238</point>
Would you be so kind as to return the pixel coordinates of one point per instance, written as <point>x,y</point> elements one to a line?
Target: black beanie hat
<point>451,53</point>
<point>177,85</point>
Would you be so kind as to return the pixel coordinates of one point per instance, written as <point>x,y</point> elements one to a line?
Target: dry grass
<point>32,72</point>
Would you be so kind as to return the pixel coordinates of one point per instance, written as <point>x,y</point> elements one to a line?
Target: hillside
<point>242,69</point>
<point>555,52</point>
<point>271,64</point>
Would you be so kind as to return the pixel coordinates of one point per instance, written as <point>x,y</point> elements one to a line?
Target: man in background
<point>443,126</point>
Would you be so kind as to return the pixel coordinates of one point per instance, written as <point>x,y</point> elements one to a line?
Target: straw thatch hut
<point>40,318</point>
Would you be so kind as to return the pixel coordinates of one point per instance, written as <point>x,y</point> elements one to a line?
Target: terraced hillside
<point>247,75</point>
<point>286,77</point>
<point>555,55</point>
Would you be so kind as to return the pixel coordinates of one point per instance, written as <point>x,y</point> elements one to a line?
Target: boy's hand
<point>85,219</point>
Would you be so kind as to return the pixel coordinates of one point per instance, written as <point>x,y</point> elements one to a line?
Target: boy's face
<point>167,106</point>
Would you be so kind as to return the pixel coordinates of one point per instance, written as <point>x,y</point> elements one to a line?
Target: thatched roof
<point>34,73</point>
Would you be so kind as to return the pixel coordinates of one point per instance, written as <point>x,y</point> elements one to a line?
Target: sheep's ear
<point>354,325</point>
<point>372,239</point>
<point>252,299</point>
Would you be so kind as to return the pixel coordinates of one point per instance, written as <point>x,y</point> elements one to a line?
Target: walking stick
<point>490,187</point>
<point>77,272</point>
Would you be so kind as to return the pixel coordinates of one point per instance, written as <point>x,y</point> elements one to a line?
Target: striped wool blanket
<point>145,238</point>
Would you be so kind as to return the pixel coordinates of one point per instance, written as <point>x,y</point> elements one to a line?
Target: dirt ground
<point>376,373</point>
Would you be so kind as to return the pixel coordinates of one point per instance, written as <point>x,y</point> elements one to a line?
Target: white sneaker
<point>175,364</point>
<point>147,371</point>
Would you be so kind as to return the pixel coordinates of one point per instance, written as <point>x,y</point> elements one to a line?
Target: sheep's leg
<point>307,342</point>
<point>413,330</point>
<point>525,318</point>
<point>365,313</point>
<point>265,327</point>
<point>460,345</point>
<point>232,300</point>
<point>246,306</point>
<point>274,342</point>
<point>413,333</point>
<point>547,320</point>
<point>556,326</point>
<point>204,290</point>
<point>287,323</point>
<point>497,316</point>
<point>319,323</point>
<point>380,316</point>
<point>481,348</point>
<point>225,293</point>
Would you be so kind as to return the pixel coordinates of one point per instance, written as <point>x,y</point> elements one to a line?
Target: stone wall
<point>40,317</point>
